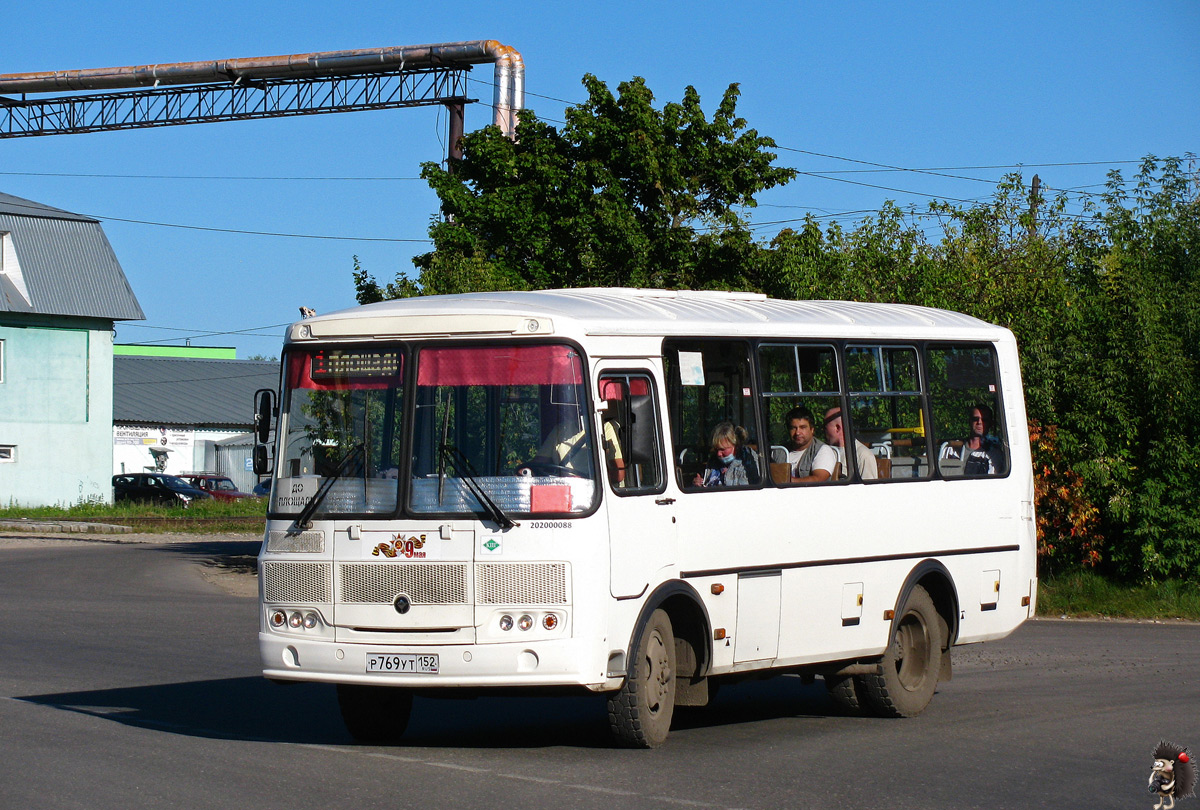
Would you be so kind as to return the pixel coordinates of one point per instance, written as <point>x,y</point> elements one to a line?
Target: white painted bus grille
<point>297,582</point>
<point>305,542</point>
<point>423,583</point>
<point>521,583</point>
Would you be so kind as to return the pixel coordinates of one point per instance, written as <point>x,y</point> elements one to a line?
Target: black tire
<point>374,715</point>
<point>907,676</point>
<point>848,693</point>
<point>640,712</point>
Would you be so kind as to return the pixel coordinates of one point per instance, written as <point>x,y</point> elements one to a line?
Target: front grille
<point>423,583</point>
<point>306,542</point>
<point>521,583</point>
<point>297,582</point>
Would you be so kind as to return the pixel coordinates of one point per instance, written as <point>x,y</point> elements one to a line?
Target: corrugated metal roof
<point>67,263</point>
<point>28,208</point>
<point>195,393</point>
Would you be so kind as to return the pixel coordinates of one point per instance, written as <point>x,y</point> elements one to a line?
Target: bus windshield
<point>496,430</point>
<point>501,423</point>
<point>340,420</point>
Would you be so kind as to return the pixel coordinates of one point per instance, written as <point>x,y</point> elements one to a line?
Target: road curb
<point>62,527</point>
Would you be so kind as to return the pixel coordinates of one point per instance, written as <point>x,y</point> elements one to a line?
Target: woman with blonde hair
<point>732,463</point>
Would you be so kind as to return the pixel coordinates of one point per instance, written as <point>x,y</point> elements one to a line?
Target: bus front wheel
<point>374,715</point>
<point>640,712</point>
<point>907,676</point>
<point>848,693</point>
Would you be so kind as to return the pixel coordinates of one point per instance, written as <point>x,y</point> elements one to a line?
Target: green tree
<point>625,194</point>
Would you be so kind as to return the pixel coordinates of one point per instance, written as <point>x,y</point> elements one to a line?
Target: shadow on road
<point>234,555</point>
<point>253,709</point>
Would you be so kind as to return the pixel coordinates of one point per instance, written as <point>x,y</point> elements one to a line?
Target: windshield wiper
<point>463,467</point>
<point>303,520</point>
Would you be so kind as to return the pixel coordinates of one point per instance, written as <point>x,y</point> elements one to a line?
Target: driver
<point>566,446</point>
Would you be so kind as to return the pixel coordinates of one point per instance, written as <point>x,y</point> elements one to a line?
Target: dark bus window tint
<point>886,410</point>
<point>964,397</point>
<point>710,388</point>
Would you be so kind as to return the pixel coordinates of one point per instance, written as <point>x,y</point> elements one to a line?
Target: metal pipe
<point>509,71</point>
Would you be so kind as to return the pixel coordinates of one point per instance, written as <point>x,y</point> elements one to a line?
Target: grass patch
<point>1087,594</point>
<point>200,516</point>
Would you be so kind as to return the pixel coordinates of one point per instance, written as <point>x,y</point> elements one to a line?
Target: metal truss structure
<point>241,100</point>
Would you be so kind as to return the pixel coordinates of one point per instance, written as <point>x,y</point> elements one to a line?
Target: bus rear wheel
<point>640,712</point>
<point>907,676</point>
<point>374,715</point>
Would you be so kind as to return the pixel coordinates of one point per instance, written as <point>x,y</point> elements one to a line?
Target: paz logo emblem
<point>492,545</point>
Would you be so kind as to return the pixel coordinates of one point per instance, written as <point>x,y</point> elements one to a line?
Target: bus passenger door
<point>641,518</point>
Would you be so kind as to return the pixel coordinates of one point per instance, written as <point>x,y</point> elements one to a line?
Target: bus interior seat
<point>951,466</point>
<point>907,467</point>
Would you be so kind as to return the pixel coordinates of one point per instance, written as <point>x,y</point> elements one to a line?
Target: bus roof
<point>635,312</point>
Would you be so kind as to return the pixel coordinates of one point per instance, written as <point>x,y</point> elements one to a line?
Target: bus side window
<point>886,411</point>
<point>710,383</point>
<point>800,386</point>
<point>631,435</point>
<point>969,434</point>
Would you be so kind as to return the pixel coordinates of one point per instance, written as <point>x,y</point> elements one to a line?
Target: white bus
<point>520,490</point>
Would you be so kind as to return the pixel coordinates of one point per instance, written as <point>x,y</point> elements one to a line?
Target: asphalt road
<point>129,679</point>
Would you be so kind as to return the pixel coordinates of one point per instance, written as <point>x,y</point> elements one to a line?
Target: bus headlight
<point>506,622</point>
<point>525,622</point>
<point>550,621</point>
<point>295,620</point>
<point>278,618</point>
<point>310,621</point>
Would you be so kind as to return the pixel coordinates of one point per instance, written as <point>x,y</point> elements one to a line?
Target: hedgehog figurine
<point>1172,775</point>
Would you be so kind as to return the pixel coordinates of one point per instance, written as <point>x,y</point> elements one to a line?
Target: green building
<point>61,291</point>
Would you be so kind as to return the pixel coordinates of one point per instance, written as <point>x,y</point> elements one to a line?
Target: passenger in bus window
<point>812,461</point>
<point>982,453</point>
<point>732,463</point>
<point>835,433</point>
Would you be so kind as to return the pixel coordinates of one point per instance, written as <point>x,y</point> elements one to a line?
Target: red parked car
<point>219,486</point>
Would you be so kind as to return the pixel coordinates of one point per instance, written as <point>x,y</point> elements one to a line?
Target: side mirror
<point>261,464</point>
<point>264,410</point>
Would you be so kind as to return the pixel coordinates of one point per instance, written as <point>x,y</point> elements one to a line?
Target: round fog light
<point>278,618</point>
<point>295,620</point>
<point>525,622</point>
<point>506,623</point>
<point>549,621</point>
<point>310,621</point>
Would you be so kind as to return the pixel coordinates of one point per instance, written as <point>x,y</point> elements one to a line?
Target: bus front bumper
<point>555,662</point>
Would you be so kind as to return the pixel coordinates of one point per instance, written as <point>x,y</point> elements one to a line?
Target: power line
<point>258,233</point>
<point>247,330</point>
<point>198,334</point>
<point>256,178</point>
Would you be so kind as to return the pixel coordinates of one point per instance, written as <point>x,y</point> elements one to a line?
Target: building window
<point>8,453</point>
<point>1,361</point>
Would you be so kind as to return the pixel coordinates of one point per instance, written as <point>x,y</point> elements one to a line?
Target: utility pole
<point>1035,198</point>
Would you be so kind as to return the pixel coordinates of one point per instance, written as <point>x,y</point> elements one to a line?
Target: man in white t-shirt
<point>835,433</point>
<point>812,461</point>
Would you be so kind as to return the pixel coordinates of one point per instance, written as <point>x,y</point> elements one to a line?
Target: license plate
<point>410,663</point>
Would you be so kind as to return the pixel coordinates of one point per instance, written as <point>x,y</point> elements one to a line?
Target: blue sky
<point>911,85</point>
